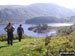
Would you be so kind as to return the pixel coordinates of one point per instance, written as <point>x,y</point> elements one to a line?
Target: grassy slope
<point>36,47</point>
<point>12,50</point>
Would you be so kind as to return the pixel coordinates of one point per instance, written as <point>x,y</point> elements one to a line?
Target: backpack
<point>10,29</point>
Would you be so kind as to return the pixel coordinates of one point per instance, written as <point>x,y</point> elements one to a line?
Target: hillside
<point>36,46</point>
<point>19,13</point>
<point>46,19</point>
<point>48,9</point>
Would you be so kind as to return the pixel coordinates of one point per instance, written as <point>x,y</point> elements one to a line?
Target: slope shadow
<point>2,46</point>
<point>6,45</point>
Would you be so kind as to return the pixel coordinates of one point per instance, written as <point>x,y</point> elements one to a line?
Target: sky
<point>65,3</point>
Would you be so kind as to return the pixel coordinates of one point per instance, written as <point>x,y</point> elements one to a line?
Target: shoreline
<point>35,29</point>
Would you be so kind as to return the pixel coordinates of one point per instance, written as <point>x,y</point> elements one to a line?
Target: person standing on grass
<point>20,32</point>
<point>9,29</point>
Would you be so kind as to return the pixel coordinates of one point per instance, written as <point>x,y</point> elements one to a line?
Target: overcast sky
<point>65,3</point>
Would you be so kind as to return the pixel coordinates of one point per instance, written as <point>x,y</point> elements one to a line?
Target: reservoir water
<point>31,33</point>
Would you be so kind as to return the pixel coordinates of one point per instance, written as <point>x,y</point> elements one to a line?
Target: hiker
<point>20,32</point>
<point>9,29</point>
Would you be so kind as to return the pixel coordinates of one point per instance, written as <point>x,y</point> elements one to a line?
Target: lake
<point>31,33</point>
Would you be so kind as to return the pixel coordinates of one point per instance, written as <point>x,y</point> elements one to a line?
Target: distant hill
<point>48,9</point>
<point>43,19</point>
<point>18,13</point>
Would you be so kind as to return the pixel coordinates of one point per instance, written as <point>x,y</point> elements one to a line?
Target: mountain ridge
<point>18,13</point>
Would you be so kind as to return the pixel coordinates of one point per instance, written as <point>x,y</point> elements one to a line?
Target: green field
<point>36,46</point>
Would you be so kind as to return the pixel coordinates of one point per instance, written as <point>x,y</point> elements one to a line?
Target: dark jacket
<point>20,31</point>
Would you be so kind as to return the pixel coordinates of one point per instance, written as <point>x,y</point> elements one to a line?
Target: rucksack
<point>10,29</point>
